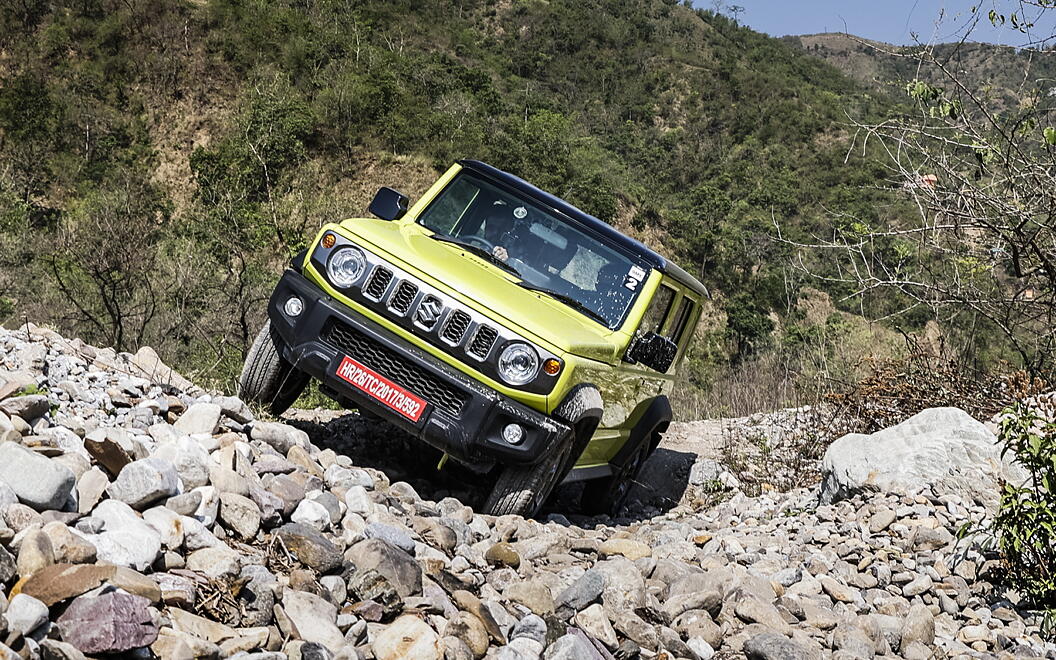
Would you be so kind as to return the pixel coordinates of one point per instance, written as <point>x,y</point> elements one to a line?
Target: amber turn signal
<point>328,240</point>
<point>551,367</point>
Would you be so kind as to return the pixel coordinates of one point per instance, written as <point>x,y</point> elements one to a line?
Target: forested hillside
<point>160,161</point>
<point>1002,74</point>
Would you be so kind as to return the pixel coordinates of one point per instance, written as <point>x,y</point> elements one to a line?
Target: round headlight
<point>345,266</point>
<point>518,364</point>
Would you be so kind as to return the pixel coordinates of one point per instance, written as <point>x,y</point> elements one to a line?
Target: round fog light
<point>513,434</point>
<point>293,306</point>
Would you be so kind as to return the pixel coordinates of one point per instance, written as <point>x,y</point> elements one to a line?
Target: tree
<point>979,252</point>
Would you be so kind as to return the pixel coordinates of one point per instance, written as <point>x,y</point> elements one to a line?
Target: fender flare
<point>582,405</point>
<point>657,418</point>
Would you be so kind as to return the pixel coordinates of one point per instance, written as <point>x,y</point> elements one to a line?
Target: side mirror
<point>389,204</point>
<point>654,351</point>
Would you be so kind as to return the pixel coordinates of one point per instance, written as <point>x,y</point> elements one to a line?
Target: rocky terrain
<point>144,517</point>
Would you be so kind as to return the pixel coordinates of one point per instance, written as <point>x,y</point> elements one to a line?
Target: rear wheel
<point>267,379</point>
<point>608,495</point>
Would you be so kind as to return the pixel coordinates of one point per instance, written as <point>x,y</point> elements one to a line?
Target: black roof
<point>602,229</point>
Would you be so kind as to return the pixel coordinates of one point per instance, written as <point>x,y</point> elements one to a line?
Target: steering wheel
<point>481,242</point>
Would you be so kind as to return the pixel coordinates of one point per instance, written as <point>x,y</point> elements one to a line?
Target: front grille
<point>456,326</point>
<point>378,282</point>
<point>483,341</point>
<point>401,300</point>
<point>394,367</point>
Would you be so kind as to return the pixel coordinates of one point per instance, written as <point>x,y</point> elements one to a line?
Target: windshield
<point>549,254</point>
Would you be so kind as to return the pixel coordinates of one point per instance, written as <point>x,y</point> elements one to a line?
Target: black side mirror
<point>654,351</point>
<point>389,204</point>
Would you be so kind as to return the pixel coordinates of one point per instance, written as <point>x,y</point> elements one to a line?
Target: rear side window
<point>654,317</point>
<point>677,332</point>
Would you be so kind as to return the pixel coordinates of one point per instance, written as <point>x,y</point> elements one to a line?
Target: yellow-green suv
<point>519,335</point>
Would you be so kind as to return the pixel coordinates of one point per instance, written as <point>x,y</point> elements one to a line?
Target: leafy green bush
<point>1026,521</point>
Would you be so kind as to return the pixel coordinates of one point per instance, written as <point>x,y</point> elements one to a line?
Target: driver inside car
<point>503,229</point>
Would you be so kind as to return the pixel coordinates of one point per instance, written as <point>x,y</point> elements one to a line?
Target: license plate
<point>381,389</point>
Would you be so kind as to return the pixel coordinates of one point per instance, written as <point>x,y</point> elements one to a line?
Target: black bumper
<point>463,417</point>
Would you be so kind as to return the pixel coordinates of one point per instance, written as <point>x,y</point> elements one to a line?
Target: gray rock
<point>25,614</point>
<point>310,547</point>
<point>532,626</point>
<point>7,566</point>
<point>943,446</point>
<point>572,647</point>
<point>281,437</point>
<point>917,586</point>
<point>28,407</point>
<point>390,534</point>
<point>38,482</point>
<point>314,617</point>
<point>584,591</point>
<point>394,564</point>
<point>919,627</point>
<point>239,514</point>
<point>113,622</point>
<point>199,418</point>
<point>772,646</point>
<point>853,640</point>
<point>624,585</point>
<point>235,408</point>
<point>144,482</point>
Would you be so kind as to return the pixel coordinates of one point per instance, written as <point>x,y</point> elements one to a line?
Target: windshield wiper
<point>568,300</point>
<point>477,250</point>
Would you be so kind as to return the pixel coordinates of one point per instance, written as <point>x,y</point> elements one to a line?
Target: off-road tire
<point>607,495</point>
<point>267,379</point>
<point>522,490</point>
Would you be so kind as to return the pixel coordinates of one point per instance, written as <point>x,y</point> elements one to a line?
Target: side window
<point>654,317</point>
<point>678,333</point>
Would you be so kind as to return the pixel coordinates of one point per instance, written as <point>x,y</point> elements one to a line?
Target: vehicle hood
<point>484,287</point>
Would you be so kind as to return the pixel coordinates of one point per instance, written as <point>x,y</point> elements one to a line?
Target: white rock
<point>408,638</point>
<point>312,514</point>
<point>126,540</point>
<point>943,446</point>
<point>199,418</point>
<point>190,459</point>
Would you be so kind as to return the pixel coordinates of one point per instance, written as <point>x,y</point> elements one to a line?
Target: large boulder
<point>940,447</point>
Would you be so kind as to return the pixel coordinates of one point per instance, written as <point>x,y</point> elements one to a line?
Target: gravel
<point>182,526</point>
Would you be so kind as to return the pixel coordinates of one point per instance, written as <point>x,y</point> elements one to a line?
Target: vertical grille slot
<point>401,300</point>
<point>482,342</point>
<point>378,282</point>
<point>456,326</point>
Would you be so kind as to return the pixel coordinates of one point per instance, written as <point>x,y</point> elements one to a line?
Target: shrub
<point>1026,520</point>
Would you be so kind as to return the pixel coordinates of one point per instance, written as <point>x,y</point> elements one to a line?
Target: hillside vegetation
<point>161,161</point>
<point>1002,75</point>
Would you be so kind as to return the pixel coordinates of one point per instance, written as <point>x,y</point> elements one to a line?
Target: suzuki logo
<point>429,311</point>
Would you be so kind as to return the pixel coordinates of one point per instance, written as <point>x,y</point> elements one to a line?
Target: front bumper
<point>463,417</point>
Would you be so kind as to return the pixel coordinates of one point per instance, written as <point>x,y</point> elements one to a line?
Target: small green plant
<point>1026,521</point>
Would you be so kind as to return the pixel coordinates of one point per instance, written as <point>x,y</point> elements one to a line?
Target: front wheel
<point>522,489</point>
<point>267,379</point>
